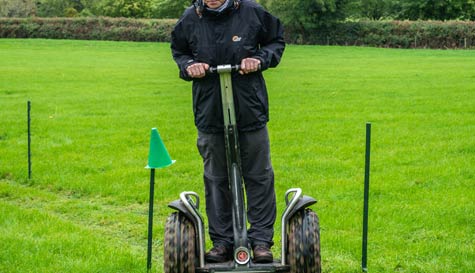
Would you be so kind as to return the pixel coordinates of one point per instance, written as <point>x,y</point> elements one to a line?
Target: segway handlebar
<point>226,68</point>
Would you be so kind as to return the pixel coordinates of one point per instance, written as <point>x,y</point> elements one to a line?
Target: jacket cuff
<point>264,66</point>
<point>183,73</point>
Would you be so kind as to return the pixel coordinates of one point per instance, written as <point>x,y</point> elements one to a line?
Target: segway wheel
<point>180,245</point>
<point>303,243</point>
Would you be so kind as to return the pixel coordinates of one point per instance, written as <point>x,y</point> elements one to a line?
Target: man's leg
<point>259,178</point>
<point>218,196</point>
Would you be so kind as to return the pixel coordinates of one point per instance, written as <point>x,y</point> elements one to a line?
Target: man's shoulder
<point>189,14</point>
<point>188,18</point>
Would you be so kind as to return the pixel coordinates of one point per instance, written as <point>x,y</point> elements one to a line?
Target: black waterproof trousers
<point>259,184</point>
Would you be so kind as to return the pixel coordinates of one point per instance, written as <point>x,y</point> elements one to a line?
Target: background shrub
<point>396,34</point>
<point>88,28</point>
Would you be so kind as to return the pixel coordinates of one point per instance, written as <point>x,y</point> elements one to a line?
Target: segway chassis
<point>188,207</point>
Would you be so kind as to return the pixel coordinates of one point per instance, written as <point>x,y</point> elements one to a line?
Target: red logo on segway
<point>242,255</point>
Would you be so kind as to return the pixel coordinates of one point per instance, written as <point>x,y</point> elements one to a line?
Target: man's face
<point>214,4</point>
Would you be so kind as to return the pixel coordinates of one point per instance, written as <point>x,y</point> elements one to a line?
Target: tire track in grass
<point>117,222</point>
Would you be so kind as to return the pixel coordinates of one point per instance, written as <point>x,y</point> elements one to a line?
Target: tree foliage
<point>111,8</point>
<point>308,14</point>
<point>170,8</point>
<point>373,9</point>
<point>300,14</point>
<point>17,8</point>
<point>434,9</point>
<point>54,8</point>
<point>126,8</point>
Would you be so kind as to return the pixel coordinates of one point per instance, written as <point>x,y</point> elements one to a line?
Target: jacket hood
<point>202,9</point>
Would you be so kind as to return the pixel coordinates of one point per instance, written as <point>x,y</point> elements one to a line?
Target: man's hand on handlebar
<point>197,70</point>
<point>249,65</point>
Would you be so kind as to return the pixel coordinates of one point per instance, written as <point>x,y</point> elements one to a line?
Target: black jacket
<point>227,38</point>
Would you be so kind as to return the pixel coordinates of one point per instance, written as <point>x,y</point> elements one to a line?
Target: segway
<point>184,243</point>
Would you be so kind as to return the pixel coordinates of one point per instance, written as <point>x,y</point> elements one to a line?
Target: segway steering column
<point>241,250</point>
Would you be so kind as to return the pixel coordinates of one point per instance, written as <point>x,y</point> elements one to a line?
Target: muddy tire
<point>179,245</point>
<point>303,243</point>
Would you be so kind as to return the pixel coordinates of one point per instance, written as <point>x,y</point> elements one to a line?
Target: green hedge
<point>93,28</point>
<point>398,34</point>
<point>394,34</point>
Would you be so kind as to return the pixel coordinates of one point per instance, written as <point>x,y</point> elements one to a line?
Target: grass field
<point>94,103</point>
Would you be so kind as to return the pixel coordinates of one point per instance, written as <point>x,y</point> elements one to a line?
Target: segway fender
<point>179,206</point>
<point>303,202</point>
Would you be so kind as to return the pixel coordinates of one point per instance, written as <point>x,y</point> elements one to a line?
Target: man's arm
<point>271,40</point>
<point>181,51</point>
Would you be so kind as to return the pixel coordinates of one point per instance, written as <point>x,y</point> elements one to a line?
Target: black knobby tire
<point>180,245</point>
<point>303,243</point>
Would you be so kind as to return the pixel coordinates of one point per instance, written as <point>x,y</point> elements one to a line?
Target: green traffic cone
<point>158,156</point>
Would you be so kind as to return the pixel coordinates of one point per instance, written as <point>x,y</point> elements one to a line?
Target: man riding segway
<point>214,32</point>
